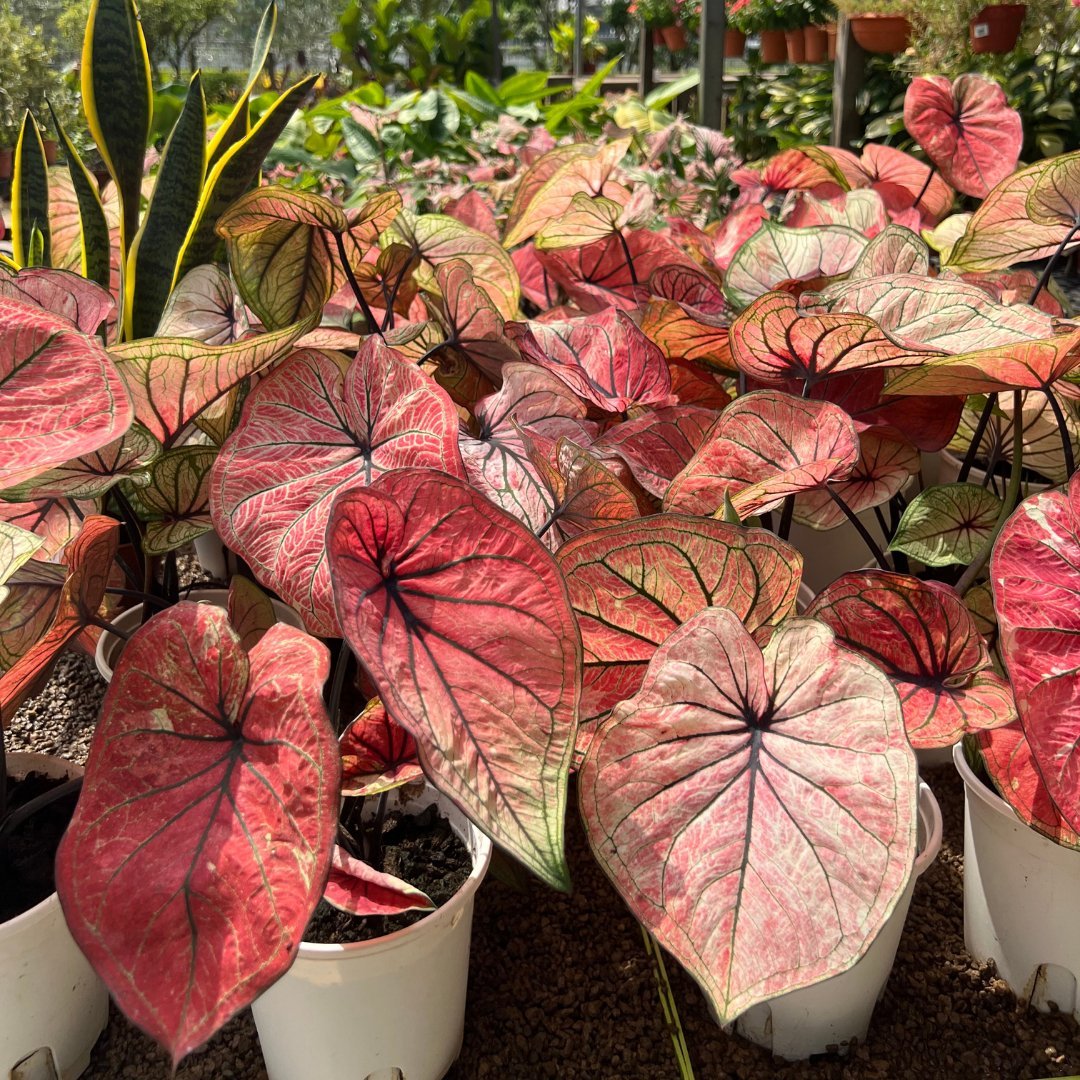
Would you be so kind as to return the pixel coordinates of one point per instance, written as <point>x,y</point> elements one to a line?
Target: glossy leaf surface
<point>947,525</point>
<point>377,755</point>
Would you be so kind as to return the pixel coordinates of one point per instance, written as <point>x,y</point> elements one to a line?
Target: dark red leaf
<point>376,754</point>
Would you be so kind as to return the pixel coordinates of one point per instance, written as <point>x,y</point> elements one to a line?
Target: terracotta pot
<point>886,34</point>
<point>675,37</point>
<point>796,46</point>
<point>734,44</point>
<point>816,44</point>
<point>7,156</point>
<point>996,28</point>
<point>773,47</point>
<point>657,36</point>
<point>52,149</point>
<point>830,31</point>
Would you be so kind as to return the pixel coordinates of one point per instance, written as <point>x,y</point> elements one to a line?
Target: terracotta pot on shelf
<point>830,33</point>
<point>657,36</point>
<point>675,37</point>
<point>734,44</point>
<point>885,34</point>
<point>52,149</point>
<point>7,156</point>
<point>773,47</point>
<point>996,28</point>
<point>796,46</point>
<point>816,44</point>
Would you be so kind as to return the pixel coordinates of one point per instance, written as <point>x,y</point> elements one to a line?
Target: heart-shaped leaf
<point>631,585</point>
<point>966,128</point>
<point>56,521</point>
<point>90,307</point>
<point>208,812</point>
<point>766,446</point>
<point>947,525</point>
<point>462,620</point>
<point>175,500</point>
<point>775,254</point>
<point>895,250</point>
<point>347,423</point>
<point>206,307</point>
<point>45,360</point>
<point>251,611</point>
<point>681,334</point>
<point>732,765</point>
<point>361,890</point>
<point>473,323</point>
<point>377,755</point>
<point>925,640</point>
<point>862,210</point>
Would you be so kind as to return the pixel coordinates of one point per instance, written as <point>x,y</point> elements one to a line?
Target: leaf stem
<point>669,1006</point>
<point>627,256</point>
<point>976,439</point>
<point>1012,497</point>
<point>337,686</point>
<point>785,517</point>
<point>1063,430</point>
<point>925,188</point>
<point>369,318</point>
<point>108,627</point>
<point>1053,261</point>
<point>860,528</point>
<point>28,809</point>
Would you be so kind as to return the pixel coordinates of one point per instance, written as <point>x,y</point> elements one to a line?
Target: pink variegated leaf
<point>895,250</point>
<point>476,210</point>
<point>682,334</point>
<point>693,385</point>
<point>537,286</point>
<point>346,423</point>
<point>377,755</point>
<point>251,611</point>
<point>472,322</point>
<point>966,128</point>
<point>57,521</point>
<point>775,254</point>
<point>732,765</point>
<point>45,360</point>
<point>734,231</point>
<point>862,210</point>
<point>173,380</point>
<point>884,468</point>
<point>766,446</point>
<point>1010,287</point>
<point>691,287</point>
<point>361,890</point>
<point>216,822</point>
<point>925,640</point>
<point>205,306</point>
<point>60,292</point>
<point>462,620</point>
<point>605,359</point>
<point>658,445</point>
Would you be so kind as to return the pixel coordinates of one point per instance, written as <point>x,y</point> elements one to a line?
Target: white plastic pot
<point>212,555</point>
<point>363,1010</point>
<point>830,1014</point>
<point>109,645</point>
<point>52,1004</point>
<point>1021,899</point>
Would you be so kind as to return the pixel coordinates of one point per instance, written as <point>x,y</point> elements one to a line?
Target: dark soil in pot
<point>421,849</point>
<point>26,859</point>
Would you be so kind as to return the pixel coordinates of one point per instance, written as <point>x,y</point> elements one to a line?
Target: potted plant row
<point>456,500</point>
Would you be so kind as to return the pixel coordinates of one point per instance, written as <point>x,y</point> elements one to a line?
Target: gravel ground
<point>560,986</point>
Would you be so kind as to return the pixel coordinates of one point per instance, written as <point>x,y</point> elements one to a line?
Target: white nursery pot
<point>109,645</point>
<point>363,1010</point>
<point>52,1004</point>
<point>830,1014</point>
<point>1021,899</point>
<point>212,555</point>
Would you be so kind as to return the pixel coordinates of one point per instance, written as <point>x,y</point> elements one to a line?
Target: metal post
<point>645,62</point>
<point>496,44</point>
<point>579,33</point>
<point>711,64</point>
<point>848,76</point>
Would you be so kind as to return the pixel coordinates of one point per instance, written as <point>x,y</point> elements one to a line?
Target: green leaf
<point>118,99</point>
<point>175,502</point>
<point>30,196</point>
<point>947,525</point>
<point>235,172</point>
<point>93,225</point>
<point>664,95</point>
<point>154,252</point>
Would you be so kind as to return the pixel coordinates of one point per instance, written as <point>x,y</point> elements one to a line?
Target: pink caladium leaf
<point>57,521</point>
<point>1010,764</point>
<point>537,286</point>
<point>925,640</point>
<point>208,811</point>
<point>766,446</point>
<point>1055,196</point>
<point>658,445</point>
<point>205,306</point>
<point>947,525</point>
<point>347,422</point>
<point>173,380</point>
<point>691,287</point>
<point>251,611</point>
<point>89,559</point>
<point>771,342</point>
<point>473,323</point>
<point>461,618</point>
<point>631,585</point>
<point>895,250</point>
<point>605,359</point>
<point>1010,287</point>
<point>1035,571</point>
<point>682,334</point>
<point>775,254</point>
<point>361,890</point>
<point>377,755</point>
<point>734,231</point>
<point>966,128</point>
<point>884,468</point>
<point>44,359</point>
<point>694,385</point>
<point>475,209</point>
<point>1014,224</point>
<point>949,316</point>
<point>734,764</point>
<point>60,292</point>
<point>862,210</point>
<point>1024,365</point>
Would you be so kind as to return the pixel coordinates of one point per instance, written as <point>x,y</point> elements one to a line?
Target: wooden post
<point>711,64</point>
<point>579,34</point>
<point>645,62</point>
<point>848,75</point>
